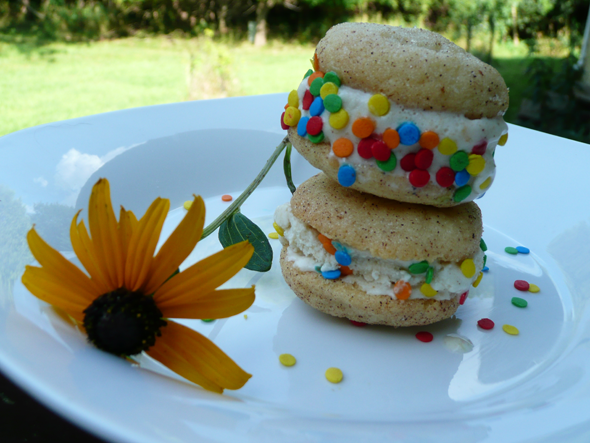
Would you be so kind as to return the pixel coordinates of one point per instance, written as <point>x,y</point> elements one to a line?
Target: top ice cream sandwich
<point>401,113</point>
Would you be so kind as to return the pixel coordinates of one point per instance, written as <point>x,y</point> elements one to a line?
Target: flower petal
<point>178,246</point>
<point>84,250</point>
<point>57,265</point>
<point>217,304</point>
<point>54,290</point>
<point>207,274</point>
<point>105,237</point>
<point>143,243</point>
<point>180,346</point>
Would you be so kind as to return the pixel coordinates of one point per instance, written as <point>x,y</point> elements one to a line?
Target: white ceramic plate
<point>534,387</point>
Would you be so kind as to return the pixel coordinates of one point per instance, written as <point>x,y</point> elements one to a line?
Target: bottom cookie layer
<point>341,299</point>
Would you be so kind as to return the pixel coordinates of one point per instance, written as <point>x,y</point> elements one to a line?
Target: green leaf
<point>237,228</point>
<point>287,168</point>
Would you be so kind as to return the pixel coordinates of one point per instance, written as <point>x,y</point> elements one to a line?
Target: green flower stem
<point>249,190</point>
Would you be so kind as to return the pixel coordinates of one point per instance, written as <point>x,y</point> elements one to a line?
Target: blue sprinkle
<point>485,269</point>
<point>481,196</point>
<point>462,178</point>
<point>346,175</point>
<point>523,250</point>
<point>331,275</point>
<point>409,133</point>
<point>317,107</point>
<point>302,126</point>
<point>343,258</point>
<point>339,246</point>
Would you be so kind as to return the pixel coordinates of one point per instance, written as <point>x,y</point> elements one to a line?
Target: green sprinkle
<point>207,320</point>
<point>519,302</point>
<point>483,246</point>
<point>462,193</point>
<point>485,259</point>
<point>308,73</point>
<point>316,85</point>
<point>316,138</point>
<point>419,268</point>
<point>318,269</point>
<point>459,161</point>
<point>388,165</point>
<point>333,103</point>
<point>511,250</point>
<point>332,77</point>
<point>429,274</point>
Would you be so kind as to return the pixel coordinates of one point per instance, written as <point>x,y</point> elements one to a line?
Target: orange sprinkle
<point>342,147</point>
<point>363,127</point>
<point>429,140</point>
<point>226,198</point>
<point>313,76</point>
<point>316,62</point>
<point>323,239</point>
<point>391,138</point>
<point>402,290</point>
<point>327,244</point>
<point>287,105</point>
<point>345,270</point>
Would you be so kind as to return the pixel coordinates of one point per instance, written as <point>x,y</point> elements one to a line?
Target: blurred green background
<point>61,59</point>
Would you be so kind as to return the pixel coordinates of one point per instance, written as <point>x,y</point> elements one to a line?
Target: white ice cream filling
<point>373,275</point>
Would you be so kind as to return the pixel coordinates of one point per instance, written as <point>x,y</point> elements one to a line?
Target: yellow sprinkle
<point>334,375</point>
<point>293,99</point>
<point>468,268</point>
<point>476,164</point>
<point>379,105</point>
<point>503,140</point>
<point>246,316</point>
<point>273,235</point>
<point>327,89</point>
<point>278,229</point>
<point>486,184</point>
<point>447,146</point>
<point>187,204</point>
<point>509,329</point>
<point>478,280</point>
<point>339,120</point>
<point>292,116</point>
<point>427,290</point>
<point>287,359</point>
<point>533,288</point>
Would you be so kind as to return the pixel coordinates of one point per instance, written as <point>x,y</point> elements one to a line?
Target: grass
<point>57,81</point>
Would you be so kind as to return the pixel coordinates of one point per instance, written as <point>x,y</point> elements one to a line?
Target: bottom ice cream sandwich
<point>378,261</point>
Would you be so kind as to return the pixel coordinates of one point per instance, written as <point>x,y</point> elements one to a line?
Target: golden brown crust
<point>387,228</point>
<point>341,299</point>
<point>414,67</point>
<point>371,179</point>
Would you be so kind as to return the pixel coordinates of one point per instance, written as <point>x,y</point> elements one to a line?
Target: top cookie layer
<point>414,68</point>
<point>387,228</point>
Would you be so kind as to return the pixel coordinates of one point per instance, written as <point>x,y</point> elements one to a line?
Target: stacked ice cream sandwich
<point>404,125</point>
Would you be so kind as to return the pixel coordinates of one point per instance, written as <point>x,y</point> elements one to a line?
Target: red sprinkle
<point>283,124</point>
<point>423,159</point>
<point>445,177</point>
<point>424,336</point>
<point>381,151</point>
<point>226,198</point>
<point>480,148</point>
<point>485,323</point>
<point>521,285</point>
<point>463,297</point>
<point>419,178</point>
<point>314,125</point>
<point>358,324</point>
<point>365,147</point>
<point>407,162</point>
<point>307,100</point>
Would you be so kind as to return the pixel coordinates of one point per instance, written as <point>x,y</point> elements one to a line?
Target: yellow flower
<point>125,302</point>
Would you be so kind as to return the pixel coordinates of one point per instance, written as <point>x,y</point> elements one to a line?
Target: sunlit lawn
<point>41,84</point>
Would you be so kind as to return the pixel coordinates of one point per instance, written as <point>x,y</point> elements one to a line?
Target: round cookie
<point>414,68</point>
<point>385,243</point>
<point>400,113</point>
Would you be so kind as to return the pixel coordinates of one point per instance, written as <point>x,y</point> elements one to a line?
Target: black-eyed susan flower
<point>125,301</point>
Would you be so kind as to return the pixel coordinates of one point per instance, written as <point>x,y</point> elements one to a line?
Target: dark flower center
<point>123,322</point>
